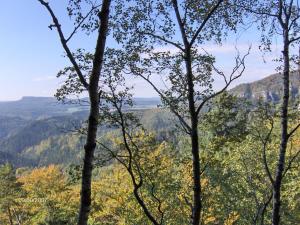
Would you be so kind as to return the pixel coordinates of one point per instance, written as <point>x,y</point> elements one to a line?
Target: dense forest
<point>199,153</point>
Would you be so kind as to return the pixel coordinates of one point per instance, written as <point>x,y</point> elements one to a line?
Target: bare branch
<point>293,131</point>
<point>263,13</point>
<point>129,166</point>
<point>162,39</point>
<point>64,43</point>
<point>289,165</point>
<point>290,8</point>
<point>206,19</point>
<point>265,161</point>
<point>279,16</point>
<point>294,39</point>
<point>181,24</point>
<point>203,169</point>
<point>158,201</point>
<point>294,21</point>
<point>181,119</point>
<point>240,64</point>
<point>266,203</point>
<point>81,22</point>
<point>265,140</point>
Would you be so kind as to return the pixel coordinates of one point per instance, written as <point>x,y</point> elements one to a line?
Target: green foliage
<point>235,183</point>
<point>10,191</point>
<point>144,172</point>
<point>49,199</point>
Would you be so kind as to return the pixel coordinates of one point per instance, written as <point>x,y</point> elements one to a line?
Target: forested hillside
<point>55,139</point>
<point>234,183</point>
<point>269,88</point>
<point>197,151</point>
<point>229,135</point>
<point>34,141</point>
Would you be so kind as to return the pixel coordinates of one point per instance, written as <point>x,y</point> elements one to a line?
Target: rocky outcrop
<point>269,88</point>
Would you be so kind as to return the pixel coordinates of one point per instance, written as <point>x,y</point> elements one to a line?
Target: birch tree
<point>280,18</point>
<point>163,39</point>
<point>79,81</point>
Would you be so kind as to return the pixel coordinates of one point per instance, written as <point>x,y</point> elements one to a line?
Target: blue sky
<point>31,55</point>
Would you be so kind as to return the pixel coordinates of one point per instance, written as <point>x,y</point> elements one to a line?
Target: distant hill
<point>269,88</point>
<point>10,125</point>
<point>35,107</point>
<point>36,131</point>
<point>43,107</point>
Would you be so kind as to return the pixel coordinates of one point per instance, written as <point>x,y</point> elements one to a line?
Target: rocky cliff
<point>269,88</point>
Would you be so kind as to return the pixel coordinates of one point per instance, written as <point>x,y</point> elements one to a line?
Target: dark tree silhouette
<point>280,17</point>
<point>182,27</point>
<point>92,86</point>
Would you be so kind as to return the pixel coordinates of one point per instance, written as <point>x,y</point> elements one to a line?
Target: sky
<point>31,54</point>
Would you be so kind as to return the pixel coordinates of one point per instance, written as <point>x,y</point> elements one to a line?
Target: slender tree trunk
<point>197,204</point>
<point>284,134</point>
<point>262,221</point>
<point>17,217</point>
<point>85,201</point>
<point>196,214</point>
<point>9,216</point>
<point>136,185</point>
<point>144,207</point>
<point>196,174</point>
